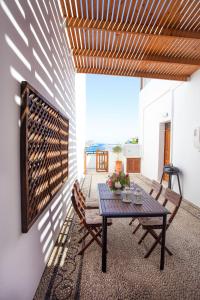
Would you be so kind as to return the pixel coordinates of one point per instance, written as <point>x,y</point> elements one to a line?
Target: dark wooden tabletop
<point>111,205</point>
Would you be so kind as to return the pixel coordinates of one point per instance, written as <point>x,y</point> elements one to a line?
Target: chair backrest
<point>80,194</point>
<point>174,200</point>
<point>76,206</point>
<point>77,184</point>
<point>156,189</point>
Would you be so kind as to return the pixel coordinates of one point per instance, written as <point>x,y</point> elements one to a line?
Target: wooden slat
<point>130,68</point>
<point>158,38</point>
<point>73,7</point>
<point>64,12</point>
<point>84,9</point>
<point>68,8</point>
<point>105,8</point>
<point>136,74</point>
<point>123,28</point>
<point>78,9</point>
<point>147,58</point>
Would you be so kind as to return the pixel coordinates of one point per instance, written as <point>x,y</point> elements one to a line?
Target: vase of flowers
<point>118,181</point>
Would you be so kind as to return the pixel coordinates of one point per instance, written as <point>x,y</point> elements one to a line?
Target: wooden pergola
<point>140,38</point>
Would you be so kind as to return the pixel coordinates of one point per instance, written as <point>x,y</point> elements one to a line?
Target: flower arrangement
<point>118,181</point>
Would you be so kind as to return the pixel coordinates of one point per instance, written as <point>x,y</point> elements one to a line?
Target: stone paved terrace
<point>129,274</point>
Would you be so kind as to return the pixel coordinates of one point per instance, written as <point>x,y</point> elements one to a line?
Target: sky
<point>111,108</point>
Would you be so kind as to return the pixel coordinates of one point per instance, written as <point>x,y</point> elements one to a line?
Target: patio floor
<point>129,275</point>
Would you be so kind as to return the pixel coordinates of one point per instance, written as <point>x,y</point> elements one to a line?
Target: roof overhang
<point>140,38</point>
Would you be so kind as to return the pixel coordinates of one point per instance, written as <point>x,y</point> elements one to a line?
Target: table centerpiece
<point>118,181</point>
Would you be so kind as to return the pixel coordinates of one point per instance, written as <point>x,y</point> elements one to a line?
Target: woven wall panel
<point>44,153</point>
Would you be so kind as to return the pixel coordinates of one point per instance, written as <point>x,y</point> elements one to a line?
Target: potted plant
<point>118,181</point>
<point>135,140</point>
<point>118,164</point>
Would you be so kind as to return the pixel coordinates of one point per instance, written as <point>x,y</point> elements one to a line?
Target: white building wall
<point>162,101</point>
<point>112,160</point>
<point>80,88</point>
<point>91,161</point>
<point>33,48</point>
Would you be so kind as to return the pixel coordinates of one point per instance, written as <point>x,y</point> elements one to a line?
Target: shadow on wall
<point>52,220</point>
<point>34,48</point>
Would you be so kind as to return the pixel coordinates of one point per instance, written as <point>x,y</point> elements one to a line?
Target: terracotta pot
<point>118,166</point>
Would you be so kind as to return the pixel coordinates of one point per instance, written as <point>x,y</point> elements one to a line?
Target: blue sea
<point>99,146</point>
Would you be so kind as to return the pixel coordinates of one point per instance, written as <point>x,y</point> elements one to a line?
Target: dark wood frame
<point>44,138</point>
<point>133,164</point>
<point>93,230</point>
<point>175,200</point>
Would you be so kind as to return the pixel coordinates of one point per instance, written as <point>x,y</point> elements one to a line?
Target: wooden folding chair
<point>150,224</point>
<point>90,220</point>
<point>81,201</point>
<point>87,203</point>
<point>156,189</point>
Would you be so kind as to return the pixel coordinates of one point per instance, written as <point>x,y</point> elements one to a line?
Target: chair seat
<point>155,223</point>
<point>92,217</point>
<point>91,203</point>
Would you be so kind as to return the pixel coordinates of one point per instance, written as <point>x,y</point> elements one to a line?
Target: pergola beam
<point>126,56</point>
<point>119,28</point>
<point>130,73</point>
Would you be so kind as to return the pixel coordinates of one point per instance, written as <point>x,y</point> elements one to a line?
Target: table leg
<point>161,178</point>
<point>104,244</point>
<point>179,186</point>
<point>170,182</point>
<point>162,257</point>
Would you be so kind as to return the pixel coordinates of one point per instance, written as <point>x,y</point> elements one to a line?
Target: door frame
<point>105,155</point>
<point>162,146</point>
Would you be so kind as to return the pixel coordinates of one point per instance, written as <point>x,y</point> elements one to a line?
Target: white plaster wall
<point>80,90</point>
<point>112,160</point>
<point>152,117</point>
<point>33,48</point>
<point>186,118</point>
<point>178,102</point>
<point>91,161</point>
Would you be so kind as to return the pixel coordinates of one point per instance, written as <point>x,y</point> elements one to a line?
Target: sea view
<point>100,146</point>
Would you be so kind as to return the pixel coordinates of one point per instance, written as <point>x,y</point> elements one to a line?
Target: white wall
<point>152,116</point>
<point>112,160</point>
<point>80,89</point>
<point>91,161</point>
<point>162,101</point>
<point>33,48</point>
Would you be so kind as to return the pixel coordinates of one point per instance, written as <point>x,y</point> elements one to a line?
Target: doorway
<point>167,143</point>
<point>97,161</point>
<point>101,161</point>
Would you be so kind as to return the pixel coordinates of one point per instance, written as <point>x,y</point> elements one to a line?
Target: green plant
<point>134,140</point>
<point>117,150</point>
<point>118,181</point>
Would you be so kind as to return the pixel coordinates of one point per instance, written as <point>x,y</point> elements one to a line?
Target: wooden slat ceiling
<point>141,38</point>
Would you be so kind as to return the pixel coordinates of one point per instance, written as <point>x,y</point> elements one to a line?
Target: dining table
<point>111,205</point>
